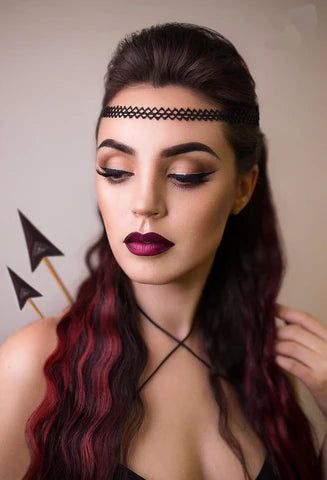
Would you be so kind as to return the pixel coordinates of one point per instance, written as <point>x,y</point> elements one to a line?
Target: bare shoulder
<point>26,349</point>
<point>22,388</point>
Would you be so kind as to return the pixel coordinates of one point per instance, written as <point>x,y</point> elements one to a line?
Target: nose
<point>148,200</point>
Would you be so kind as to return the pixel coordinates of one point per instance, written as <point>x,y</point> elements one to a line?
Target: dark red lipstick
<point>150,243</point>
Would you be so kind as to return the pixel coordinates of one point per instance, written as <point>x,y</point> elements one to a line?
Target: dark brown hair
<point>92,409</point>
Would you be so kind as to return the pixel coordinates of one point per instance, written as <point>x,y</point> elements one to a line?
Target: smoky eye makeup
<point>187,180</point>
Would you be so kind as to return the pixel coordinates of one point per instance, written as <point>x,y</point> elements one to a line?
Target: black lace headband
<point>248,116</point>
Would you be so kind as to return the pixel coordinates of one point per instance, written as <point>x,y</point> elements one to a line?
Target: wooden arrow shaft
<point>58,279</point>
<point>35,307</point>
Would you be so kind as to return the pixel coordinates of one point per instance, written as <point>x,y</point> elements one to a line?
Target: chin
<point>156,274</point>
<point>149,276</point>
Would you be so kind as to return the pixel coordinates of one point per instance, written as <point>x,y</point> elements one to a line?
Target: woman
<point>166,364</point>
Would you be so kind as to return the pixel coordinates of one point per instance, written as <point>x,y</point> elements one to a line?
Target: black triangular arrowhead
<point>23,290</point>
<point>38,245</point>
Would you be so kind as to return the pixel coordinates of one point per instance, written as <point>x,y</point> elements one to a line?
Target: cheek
<point>204,221</point>
<point>108,207</point>
<point>101,199</point>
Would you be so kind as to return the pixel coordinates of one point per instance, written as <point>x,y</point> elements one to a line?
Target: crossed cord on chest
<point>180,343</point>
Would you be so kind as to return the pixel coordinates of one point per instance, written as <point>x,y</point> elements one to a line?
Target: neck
<point>171,305</point>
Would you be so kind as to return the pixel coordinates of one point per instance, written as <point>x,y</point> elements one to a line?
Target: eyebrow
<point>166,152</point>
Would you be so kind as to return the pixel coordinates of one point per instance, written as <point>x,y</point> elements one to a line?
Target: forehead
<point>146,133</point>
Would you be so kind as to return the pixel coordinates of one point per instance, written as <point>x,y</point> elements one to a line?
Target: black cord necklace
<point>180,343</point>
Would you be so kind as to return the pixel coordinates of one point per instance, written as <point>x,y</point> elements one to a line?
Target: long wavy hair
<point>92,407</point>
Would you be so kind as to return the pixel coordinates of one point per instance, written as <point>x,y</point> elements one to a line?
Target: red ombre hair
<point>92,409</point>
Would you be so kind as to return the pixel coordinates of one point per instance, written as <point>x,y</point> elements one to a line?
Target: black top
<point>124,473</point>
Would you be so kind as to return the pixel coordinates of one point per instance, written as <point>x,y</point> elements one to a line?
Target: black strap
<point>180,343</point>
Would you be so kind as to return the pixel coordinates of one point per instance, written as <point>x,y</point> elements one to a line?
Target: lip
<point>147,244</point>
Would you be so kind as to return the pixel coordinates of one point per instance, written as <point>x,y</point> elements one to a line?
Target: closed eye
<point>113,173</point>
<point>187,180</point>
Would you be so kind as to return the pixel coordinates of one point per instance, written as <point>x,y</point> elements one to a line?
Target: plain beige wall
<point>53,59</point>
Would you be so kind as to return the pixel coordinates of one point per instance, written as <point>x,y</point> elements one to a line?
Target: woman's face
<point>149,199</point>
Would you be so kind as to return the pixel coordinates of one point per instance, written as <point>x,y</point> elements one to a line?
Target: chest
<point>179,438</point>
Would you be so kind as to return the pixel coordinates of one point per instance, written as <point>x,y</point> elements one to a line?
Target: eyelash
<point>189,180</point>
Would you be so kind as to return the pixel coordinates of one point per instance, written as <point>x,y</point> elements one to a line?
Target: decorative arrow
<point>39,249</point>
<point>24,291</point>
